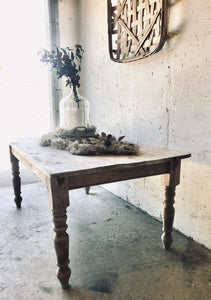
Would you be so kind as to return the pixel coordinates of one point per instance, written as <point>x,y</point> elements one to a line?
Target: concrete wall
<point>163,100</point>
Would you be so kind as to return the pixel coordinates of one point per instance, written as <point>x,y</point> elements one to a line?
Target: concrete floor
<point>115,252</point>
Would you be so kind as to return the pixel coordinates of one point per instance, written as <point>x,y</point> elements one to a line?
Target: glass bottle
<point>74,111</point>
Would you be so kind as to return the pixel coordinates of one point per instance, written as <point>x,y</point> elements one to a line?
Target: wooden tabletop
<point>49,162</point>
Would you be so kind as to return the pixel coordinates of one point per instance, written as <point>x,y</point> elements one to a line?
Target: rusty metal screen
<point>136,28</point>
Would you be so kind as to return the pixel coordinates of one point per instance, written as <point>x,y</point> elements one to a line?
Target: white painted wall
<point>163,100</point>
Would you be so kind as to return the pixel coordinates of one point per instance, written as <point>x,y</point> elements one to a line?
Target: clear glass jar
<point>74,111</point>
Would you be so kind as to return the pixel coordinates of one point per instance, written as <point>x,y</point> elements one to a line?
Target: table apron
<point>113,174</point>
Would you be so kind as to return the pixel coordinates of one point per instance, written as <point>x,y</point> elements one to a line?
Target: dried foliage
<point>94,144</point>
<point>66,62</point>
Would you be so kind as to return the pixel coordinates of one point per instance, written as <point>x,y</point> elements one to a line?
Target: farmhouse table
<point>62,171</point>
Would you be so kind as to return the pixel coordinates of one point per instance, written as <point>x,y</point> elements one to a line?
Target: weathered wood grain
<point>47,162</point>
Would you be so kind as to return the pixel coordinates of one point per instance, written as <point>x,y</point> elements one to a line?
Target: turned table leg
<point>168,217</point>
<point>170,181</point>
<point>59,201</point>
<point>61,243</point>
<point>16,180</point>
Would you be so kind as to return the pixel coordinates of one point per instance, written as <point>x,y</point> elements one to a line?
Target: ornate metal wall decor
<point>136,28</point>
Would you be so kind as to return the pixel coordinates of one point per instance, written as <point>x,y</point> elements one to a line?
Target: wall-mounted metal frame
<point>136,28</point>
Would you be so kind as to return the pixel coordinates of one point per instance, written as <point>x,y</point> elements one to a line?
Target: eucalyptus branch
<point>66,62</point>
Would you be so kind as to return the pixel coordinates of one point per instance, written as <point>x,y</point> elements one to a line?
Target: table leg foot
<point>16,180</point>
<point>168,216</point>
<point>61,243</point>
<point>64,275</point>
<point>87,189</point>
<point>18,201</point>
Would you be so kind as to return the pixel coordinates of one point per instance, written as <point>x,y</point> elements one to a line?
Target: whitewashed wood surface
<point>51,161</point>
